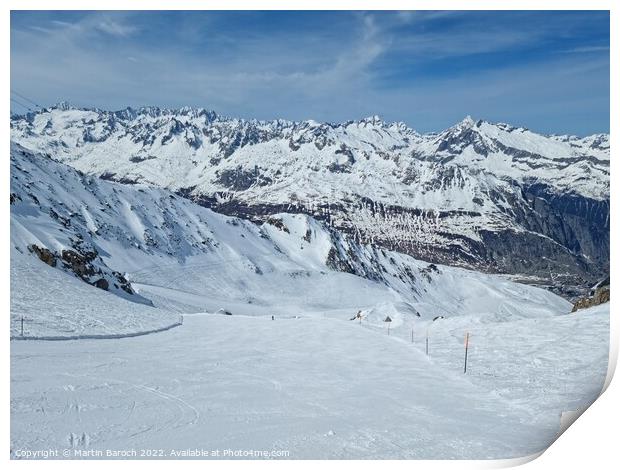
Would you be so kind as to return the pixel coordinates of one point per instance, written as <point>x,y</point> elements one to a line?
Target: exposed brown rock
<point>123,283</point>
<point>44,254</point>
<point>600,296</point>
<point>277,223</point>
<point>79,263</point>
<point>101,284</point>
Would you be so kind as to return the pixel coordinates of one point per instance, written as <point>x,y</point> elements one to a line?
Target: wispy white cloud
<point>61,23</point>
<point>118,26</point>
<point>115,28</point>
<point>586,49</point>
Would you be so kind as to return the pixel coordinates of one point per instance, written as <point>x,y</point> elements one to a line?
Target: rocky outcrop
<point>599,295</point>
<point>239,180</point>
<point>101,284</point>
<point>44,254</point>
<point>86,265</point>
<point>277,223</point>
<point>80,263</point>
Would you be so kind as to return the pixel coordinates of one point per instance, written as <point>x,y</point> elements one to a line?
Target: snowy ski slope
<point>313,387</point>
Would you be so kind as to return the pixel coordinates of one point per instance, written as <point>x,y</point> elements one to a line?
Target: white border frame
<point>590,441</point>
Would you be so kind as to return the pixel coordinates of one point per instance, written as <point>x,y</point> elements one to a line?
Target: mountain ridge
<point>154,110</point>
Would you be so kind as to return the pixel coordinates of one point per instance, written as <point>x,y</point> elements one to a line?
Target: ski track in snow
<point>319,388</point>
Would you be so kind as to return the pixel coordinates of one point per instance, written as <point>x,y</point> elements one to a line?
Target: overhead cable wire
<point>25,98</point>
<point>21,104</point>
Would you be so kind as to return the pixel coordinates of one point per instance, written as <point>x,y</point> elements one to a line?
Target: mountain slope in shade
<point>479,195</point>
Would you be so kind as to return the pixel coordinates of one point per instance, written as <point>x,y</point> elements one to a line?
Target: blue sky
<point>548,71</point>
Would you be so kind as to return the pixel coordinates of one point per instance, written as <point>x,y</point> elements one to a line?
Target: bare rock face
<point>101,284</point>
<point>123,283</point>
<point>277,223</point>
<point>599,295</point>
<point>86,265</point>
<point>79,263</point>
<point>44,254</point>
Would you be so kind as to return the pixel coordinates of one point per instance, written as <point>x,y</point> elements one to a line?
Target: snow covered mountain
<point>149,246</point>
<point>309,382</point>
<point>479,195</point>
